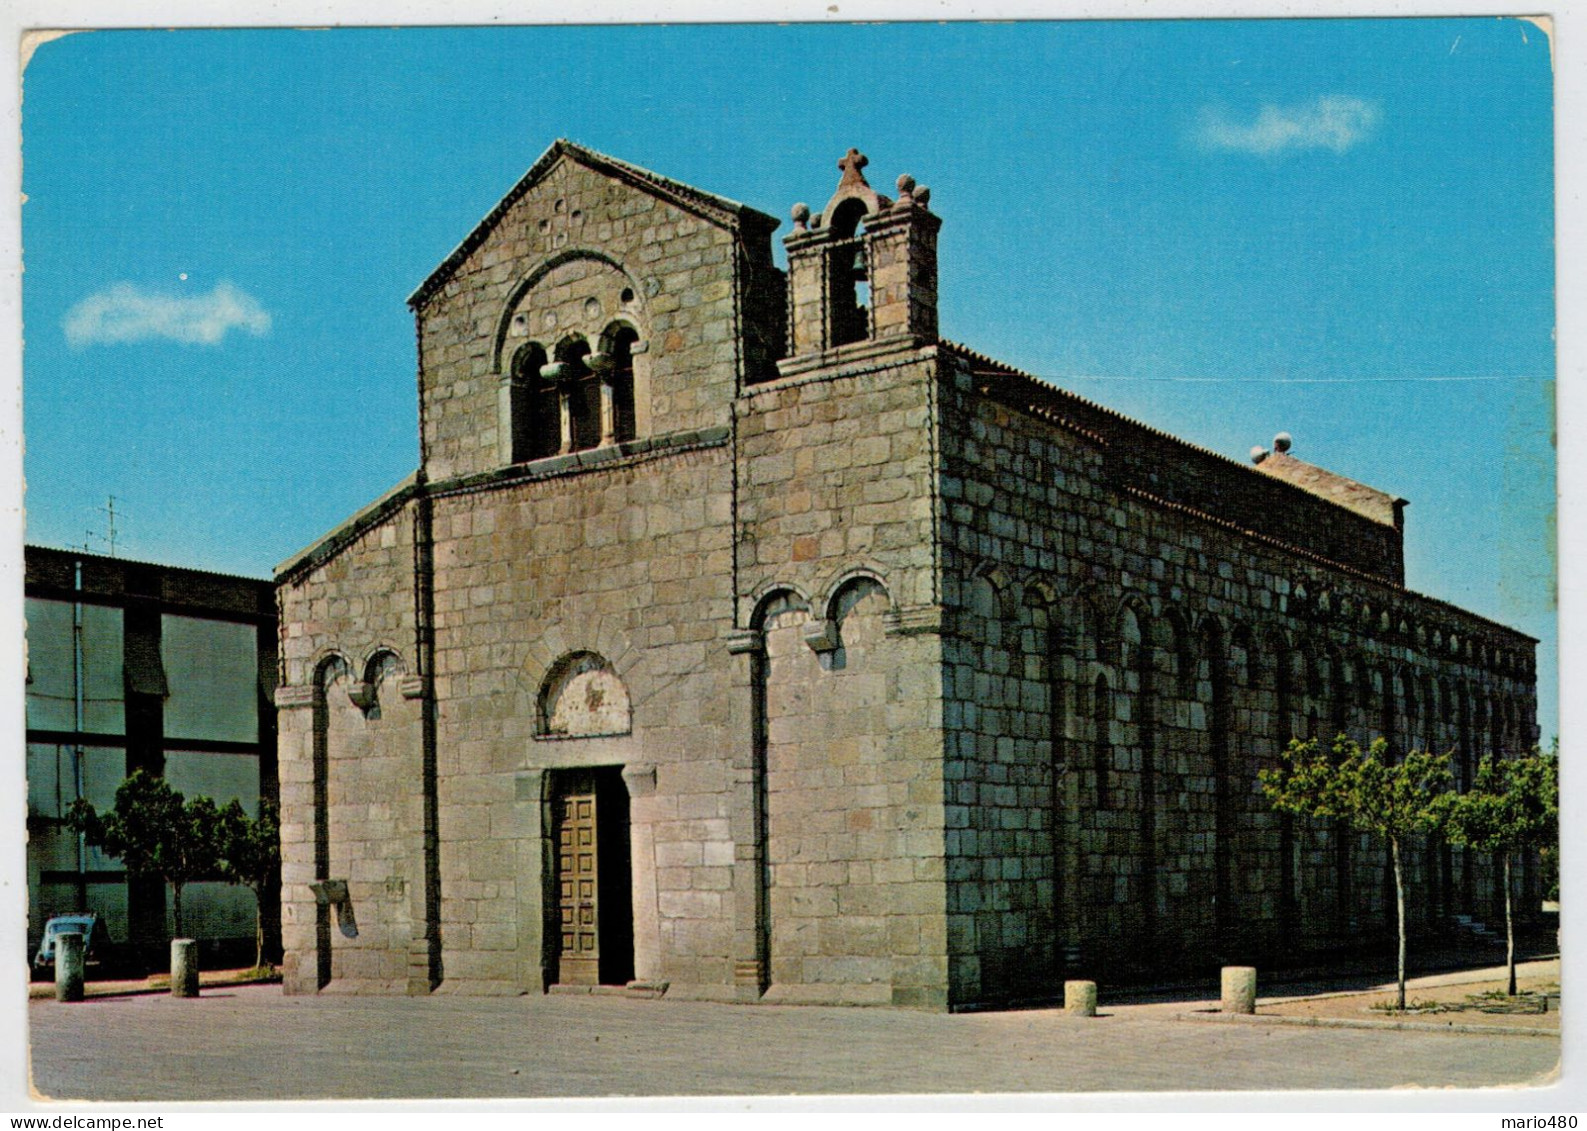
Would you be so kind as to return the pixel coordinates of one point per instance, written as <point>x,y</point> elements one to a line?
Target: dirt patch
<point>1473,1003</point>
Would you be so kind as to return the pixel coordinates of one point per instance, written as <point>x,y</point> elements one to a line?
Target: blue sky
<point>1342,229</point>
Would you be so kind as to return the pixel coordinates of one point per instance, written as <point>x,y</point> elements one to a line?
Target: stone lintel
<point>852,353</point>
<point>745,641</point>
<point>413,686</point>
<point>329,893</point>
<point>894,218</point>
<point>917,620</point>
<point>526,785</point>
<point>797,241</point>
<point>362,694</point>
<point>822,635</point>
<point>294,695</point>
<point>640,778</point>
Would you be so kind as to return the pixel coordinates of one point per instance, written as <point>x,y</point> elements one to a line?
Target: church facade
<point>740,637</point>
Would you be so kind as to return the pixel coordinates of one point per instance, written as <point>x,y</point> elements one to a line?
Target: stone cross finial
<point>851,163</point>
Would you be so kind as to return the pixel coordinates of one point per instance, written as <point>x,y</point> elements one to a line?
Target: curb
<point>91,993</point>
<point>1351,1023</point>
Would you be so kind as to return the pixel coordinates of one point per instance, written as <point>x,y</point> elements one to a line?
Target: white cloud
<point>1334,121</point>
<point>127,313</point>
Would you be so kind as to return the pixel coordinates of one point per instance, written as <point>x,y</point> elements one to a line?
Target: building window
<point>576,399</point>
<point>848,278</point>
<point>621,341</point>
<point>582,387</point>
<point>536,414</point>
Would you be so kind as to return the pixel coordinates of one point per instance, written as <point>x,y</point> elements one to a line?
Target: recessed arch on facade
<point>570,349</point>
<point>985,603</point>
<point>582,697</point>
<point>1003,584</point>
<point>1087,635</point>
<point>517,316</point>
<point>1183,649</point>
<point>835,582</point>
<point>856,588</point>
<point>773,599</point>
<point>382,664</point>
<point>1130,621</point>
<point>1243,655</point>
<point>1038,590</point>
<point>327,664</point>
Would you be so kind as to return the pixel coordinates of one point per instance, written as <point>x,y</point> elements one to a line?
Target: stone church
<point>740,637</point>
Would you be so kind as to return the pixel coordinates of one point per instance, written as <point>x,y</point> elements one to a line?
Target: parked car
<point>96,940</point>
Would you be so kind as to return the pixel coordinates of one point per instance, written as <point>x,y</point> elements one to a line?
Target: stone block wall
<point>853,842</point>
<point>349,756</point>
<point>1120,670</point>
<point>374,823</point>
<point>1181,474</point>
<point>629,562</point>
<point>837,579</point>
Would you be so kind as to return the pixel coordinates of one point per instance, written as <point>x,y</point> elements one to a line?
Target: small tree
<point>250,850</point>
<point>154,832</point>
<point>1390,801</point>
<point>1512,807</point>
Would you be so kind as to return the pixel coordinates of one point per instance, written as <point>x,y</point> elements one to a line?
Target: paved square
<point>253,1043</point>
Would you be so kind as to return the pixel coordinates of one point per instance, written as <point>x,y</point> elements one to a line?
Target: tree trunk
<point>258,931</point>
<point>1509,927</point>
<point>1399,905</point>
<point>176,910</point>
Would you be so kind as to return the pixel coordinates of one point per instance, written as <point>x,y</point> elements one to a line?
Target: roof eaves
<point>476,234</point>
<point>334,541</point>
<point>1004,369</point>
<point>1321,560</point>
<point>172,570</point>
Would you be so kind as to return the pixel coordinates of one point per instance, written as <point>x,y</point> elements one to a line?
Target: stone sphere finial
<point>1282,442</point>
<point>923,196</point>
<point>801,217</point>
<point>906,185</point>
<point>1258,454</point>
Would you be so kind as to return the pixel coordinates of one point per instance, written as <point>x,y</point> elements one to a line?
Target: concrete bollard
<point>69,955</point>
<point>184,968</point>
<point>1080,999</point>
<point>1239,989</point>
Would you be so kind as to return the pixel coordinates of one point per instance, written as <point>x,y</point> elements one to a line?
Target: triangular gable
<point>718,210</point>
<point>1369,502</point>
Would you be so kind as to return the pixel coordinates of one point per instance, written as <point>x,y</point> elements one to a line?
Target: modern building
<point>740,637</point>
<point>138,666</point>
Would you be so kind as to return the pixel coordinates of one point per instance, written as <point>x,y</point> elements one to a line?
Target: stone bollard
<point>1080,999</point>
<point>1239,989</point>
<point>184,968</point>
<point>69,955</point>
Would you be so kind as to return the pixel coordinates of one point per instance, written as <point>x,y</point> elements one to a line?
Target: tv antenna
<point>109,538</point>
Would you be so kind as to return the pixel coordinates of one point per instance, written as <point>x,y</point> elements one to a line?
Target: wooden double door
<point>594,879</point>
